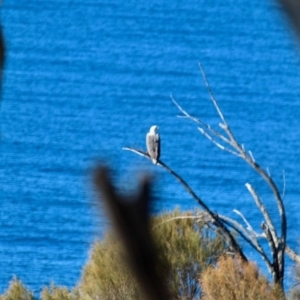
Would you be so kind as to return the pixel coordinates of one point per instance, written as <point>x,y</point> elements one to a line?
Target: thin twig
<point>249,227</point>
<point>263,210</point>
<point>212,96</point>
<point>251,155</point>
<point>206,126</point>
<point>216,143</point>
<point>268,171</point>
<point>284,185</point>
<point>137,151</point>
<point>248,235</point>
<point>182,218</point>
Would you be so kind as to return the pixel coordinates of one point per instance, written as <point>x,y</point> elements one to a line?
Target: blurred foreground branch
<point>131,222</point>
<point>292,8</point>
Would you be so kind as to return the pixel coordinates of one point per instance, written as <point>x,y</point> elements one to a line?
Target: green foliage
<point>17,291</point>
<point>187,246</point>
<point>234,279</point>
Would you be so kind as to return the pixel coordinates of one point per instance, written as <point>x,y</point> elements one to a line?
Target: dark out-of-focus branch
<point>292,8</point>
<point>131,222</point>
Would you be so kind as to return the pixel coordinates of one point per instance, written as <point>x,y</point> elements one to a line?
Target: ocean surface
<point>85,78</point>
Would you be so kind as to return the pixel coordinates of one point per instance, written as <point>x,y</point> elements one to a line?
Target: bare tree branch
<point>292,254</point>
<point>206,126</point>
<point>217,222</point>
<point>250,238</point>
<point>182,182</point>
<point>212,97</point>
<point>249,159</point>
<point>249,227</point>
<point>268,171</point>
<point>251,155</point>
<point>178,218</point>
<point>139,152</point>
<point>216,143</point>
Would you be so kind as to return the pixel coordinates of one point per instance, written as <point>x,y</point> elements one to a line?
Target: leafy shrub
<point>187,246</point>
<point>234,279</point>
<point>105,275</point>
<point>188,250</point>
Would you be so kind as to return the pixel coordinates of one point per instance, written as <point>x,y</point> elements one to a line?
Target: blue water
<point>85,78</point>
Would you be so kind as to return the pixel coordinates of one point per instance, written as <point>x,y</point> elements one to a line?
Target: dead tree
<point>225,140</point>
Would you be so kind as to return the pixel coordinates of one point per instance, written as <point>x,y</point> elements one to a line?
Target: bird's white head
<point>153,129</point>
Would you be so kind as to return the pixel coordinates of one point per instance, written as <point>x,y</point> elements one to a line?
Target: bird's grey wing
<point>149,144</point>
<point>152,145</point>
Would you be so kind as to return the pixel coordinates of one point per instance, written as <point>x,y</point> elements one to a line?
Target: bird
<point>153,144</point>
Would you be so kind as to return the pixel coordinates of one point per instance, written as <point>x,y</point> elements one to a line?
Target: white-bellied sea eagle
<point>153,144</point>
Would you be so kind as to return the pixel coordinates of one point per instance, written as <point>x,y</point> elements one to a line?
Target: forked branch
<point>226,141</point>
